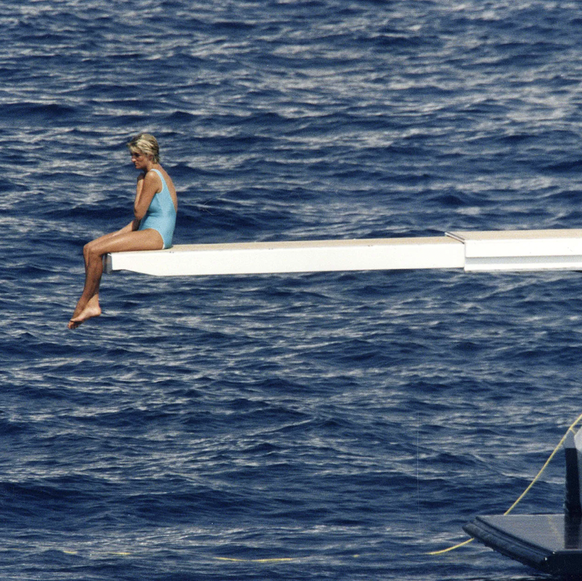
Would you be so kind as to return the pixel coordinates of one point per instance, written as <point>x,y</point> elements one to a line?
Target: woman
<point>152,228</point>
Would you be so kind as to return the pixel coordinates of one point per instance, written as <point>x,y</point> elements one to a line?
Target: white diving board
<point>510,250</point>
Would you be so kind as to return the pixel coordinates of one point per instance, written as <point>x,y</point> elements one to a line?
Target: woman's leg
<point>89,255</point>
<point>88,305</point>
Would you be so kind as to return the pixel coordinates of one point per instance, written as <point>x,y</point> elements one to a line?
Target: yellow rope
<point>537,477</point>
<point>274,560</point>
<point>443,551</point>
<point>571,428</point>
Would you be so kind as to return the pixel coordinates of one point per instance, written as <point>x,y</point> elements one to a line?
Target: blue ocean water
<point>333,426</point>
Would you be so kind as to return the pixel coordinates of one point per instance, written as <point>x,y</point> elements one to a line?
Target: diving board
<point>521,249</point>
<point>510,250</point>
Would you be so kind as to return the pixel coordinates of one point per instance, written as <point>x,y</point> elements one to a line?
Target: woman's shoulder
<point>153,174</point>
<point>167,178</point>
<point>159,170</point>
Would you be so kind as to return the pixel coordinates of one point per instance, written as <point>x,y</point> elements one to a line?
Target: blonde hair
<point>147,144</point>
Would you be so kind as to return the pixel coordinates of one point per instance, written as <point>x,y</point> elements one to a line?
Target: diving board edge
<point>292,257</point>
<point>510,250</point>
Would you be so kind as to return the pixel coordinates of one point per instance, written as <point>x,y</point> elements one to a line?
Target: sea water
<point>327,426</point>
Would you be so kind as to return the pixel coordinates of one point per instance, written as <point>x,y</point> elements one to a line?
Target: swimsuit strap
<point>161,176</point>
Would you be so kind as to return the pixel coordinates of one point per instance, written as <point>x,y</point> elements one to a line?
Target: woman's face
<point>139,159</point>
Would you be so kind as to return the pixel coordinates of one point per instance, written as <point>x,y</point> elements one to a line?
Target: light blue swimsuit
<point>161,214</point>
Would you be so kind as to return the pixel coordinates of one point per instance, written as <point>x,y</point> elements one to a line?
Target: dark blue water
<point>304,427</point>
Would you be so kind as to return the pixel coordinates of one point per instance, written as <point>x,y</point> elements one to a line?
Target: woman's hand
<point>133,225</point>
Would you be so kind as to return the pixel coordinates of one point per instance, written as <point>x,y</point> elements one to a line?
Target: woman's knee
<point>87,249</point>
<point>90,250</point>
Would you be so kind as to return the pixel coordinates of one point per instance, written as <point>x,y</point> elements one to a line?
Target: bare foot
<point>88,313</point>
<point>92,309</point>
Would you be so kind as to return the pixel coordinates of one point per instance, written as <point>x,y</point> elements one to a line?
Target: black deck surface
<point>550,543</point>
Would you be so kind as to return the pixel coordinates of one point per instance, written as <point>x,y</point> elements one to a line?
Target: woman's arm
<point>133,225</point>
<point>148,186</point>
